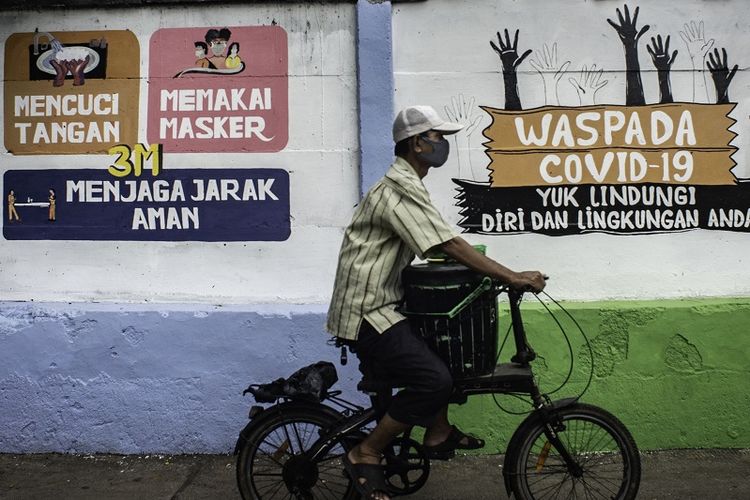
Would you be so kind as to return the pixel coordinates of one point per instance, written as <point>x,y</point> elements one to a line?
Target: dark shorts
<point>404,359</point>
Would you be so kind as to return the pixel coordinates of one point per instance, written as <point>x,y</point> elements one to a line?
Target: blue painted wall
<point>375,86</point>
<point>144,379</point>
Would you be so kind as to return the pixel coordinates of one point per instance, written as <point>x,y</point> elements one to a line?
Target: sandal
<point>455,441</point>
<point>373,475</point>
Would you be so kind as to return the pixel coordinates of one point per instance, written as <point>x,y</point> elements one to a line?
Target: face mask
<point>439,155</point>
<point>218,49</point>
<point>198,53</point>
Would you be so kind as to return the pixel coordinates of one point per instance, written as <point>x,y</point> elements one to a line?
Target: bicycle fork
<point>546,415</point>
<point>553,440</point>
<point>552,425</point>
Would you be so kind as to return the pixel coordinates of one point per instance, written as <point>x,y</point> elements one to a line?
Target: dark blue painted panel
<point>176,205</point>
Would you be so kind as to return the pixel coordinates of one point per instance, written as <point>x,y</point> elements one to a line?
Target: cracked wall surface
<point>75,379</point>
<point>676,372</point>
<point>141,379</point>
<point>681,355</point>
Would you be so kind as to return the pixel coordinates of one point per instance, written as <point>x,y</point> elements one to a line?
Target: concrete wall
<point>450,58</point>
<point>320,157</point>
<point>674,370</point>
<point>144,344</point>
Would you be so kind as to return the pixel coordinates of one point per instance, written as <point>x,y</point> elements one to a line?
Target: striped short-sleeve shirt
<point>394,221</point>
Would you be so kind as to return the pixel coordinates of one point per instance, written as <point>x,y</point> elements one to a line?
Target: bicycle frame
<point>516,377</point>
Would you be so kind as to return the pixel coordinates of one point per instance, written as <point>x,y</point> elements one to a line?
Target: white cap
<point>418,119</point>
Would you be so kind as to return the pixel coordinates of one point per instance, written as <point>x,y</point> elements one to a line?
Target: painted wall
<point>656,362</point>
<point>438,64</point>
<point>320,158</point>
<point>128,343</point>
<point>118,337</point>
<point>674,371</point>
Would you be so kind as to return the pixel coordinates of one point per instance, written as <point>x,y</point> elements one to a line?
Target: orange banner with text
<point>667,143</point>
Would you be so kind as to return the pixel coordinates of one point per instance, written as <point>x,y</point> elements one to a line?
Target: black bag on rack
<point>311,382</point>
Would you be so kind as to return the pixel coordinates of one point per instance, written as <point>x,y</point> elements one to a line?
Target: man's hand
<point>532,281</point>
<point>460,250</point>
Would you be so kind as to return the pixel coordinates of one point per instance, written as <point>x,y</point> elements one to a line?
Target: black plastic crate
<point>462,332</point>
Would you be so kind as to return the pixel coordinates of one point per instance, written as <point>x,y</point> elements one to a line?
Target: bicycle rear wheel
<point>271,464</point>
<point>598,442</point>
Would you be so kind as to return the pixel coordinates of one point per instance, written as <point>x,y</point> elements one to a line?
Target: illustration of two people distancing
<point>50,204</point>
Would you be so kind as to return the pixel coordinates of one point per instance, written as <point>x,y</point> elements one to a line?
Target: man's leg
<point>440,429</point>
<point>443,439</point>
<point>370,451</point>
<point>407,362</point>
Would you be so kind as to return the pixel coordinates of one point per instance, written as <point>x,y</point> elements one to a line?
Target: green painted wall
<point>677,373</point>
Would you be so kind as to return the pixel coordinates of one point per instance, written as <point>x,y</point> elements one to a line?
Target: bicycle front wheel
<point>271,465</point>
<point>608,464</point>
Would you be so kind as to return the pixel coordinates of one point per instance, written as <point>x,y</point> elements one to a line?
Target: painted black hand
<point>660,53</point>
<point>508,53</point>
<point>663,62</point>
<point>629,35</point>
<point>722,76</point>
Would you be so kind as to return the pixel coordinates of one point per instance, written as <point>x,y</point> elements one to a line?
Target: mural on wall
<point>70,92</point>
<point>218,89</point>
<point>595,167</point>
<point>125,202</point>
<point>214,89</point>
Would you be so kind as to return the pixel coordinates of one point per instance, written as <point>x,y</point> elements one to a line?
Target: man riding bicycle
<point>396,220</point>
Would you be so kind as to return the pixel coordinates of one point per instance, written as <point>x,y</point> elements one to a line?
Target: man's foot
<point>366,473</point>
<point>445,448</point>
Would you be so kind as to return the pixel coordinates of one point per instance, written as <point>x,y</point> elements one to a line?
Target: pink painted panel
<point>218,89</point>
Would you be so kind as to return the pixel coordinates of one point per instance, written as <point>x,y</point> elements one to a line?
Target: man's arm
<point>460,250</point>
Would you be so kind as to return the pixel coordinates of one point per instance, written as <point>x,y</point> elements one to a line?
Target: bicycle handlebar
<point>503,287</point>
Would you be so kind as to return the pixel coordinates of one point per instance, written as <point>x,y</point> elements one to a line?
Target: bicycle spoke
<point>594,442</point>
<point>271,489</point>
<point>551,489</point>
<point>293,432</point>
<point>323,485</point>
<point>572,493</point>
<point>613,493</point>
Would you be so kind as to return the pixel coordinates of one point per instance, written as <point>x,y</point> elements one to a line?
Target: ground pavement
<point>681,474</point>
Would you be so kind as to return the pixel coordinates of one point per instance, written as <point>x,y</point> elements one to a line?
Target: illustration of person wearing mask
<point>12,207</point>
<point>201,61</point>
<point>217,43</point>
<point>233,59</point>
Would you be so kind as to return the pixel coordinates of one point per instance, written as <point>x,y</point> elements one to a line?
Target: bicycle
<point>562,449</point>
